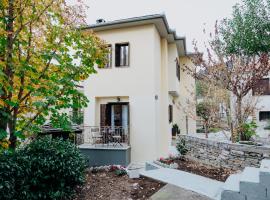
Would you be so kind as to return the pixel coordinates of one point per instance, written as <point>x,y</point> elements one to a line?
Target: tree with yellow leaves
<point>43,57</point>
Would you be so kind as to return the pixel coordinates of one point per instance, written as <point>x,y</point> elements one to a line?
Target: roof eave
<point>180,41</point>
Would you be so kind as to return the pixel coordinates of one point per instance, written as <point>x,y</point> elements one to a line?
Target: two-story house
<point>141,92</point>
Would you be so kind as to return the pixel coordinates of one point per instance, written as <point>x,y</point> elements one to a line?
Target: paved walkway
<point>172,192</point>
<point>202,185</point>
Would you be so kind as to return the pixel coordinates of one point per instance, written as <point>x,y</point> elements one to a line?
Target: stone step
<point>265,164</point>
<point>231,188</point>
<point>250,184</point>
<point>265,175</point>
<point>233,183</point>
<point>250,174</point>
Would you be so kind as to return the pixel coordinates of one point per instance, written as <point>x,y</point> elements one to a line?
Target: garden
<point>54,169</point>
<point>109,184</point>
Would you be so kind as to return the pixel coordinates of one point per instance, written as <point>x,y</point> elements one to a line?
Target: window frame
<point>128,54</point>
<point>178,69</point>
<point>262,114</point>
<point>170,112</point>
<point>110,60</point>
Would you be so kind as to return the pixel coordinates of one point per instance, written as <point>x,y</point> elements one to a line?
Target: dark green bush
<point>247,130</point>
<point>181,147</point>
<point>44,169</point>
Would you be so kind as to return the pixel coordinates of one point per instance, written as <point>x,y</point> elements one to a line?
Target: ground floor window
<point>170,113</point>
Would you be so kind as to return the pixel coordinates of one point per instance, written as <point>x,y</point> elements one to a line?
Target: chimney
<point>100,21</point>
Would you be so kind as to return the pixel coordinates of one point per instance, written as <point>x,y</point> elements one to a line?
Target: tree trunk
<point>3,119</point>
<point>9,68</point>
<point>12,136</point>
<point>239,119</point>
<point>206,129</point>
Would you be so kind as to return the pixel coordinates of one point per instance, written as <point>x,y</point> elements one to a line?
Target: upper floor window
<point>177,69</point>
<point>108,58</point>
<point>262,87</point>
<point>122,54</point>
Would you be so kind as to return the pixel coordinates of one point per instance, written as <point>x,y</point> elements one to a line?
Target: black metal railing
<point>106,135</point>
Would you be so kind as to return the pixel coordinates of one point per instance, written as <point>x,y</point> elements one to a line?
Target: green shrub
<point>44,169</point>
<point>200,130</point>
<point>214,130</point>
<point>181,147</point>
<point>8,176</point>
<point>247,130</point>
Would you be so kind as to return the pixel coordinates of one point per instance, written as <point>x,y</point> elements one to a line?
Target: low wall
<point>106,156</point>
<point>233,156</point>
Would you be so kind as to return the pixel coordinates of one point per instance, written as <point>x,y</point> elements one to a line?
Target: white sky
<point>187,17</point>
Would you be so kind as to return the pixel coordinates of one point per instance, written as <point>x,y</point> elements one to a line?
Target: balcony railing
<point>106,136</point>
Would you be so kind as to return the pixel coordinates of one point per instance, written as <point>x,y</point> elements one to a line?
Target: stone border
<point>233,156</point>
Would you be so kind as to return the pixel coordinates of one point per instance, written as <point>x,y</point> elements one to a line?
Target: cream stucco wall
<point>186,101</point>
<point>145,84</point>
<point>136,82</point>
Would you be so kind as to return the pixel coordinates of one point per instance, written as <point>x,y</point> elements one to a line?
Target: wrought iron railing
<point>106,135</point>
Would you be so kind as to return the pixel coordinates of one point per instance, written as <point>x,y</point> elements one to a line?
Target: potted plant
<point>175,130</point>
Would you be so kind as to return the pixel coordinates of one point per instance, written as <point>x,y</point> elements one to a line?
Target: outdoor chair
<point>96,136</point>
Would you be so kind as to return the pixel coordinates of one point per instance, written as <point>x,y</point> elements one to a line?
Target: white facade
<point>263,105</point>
<point>148,85</point>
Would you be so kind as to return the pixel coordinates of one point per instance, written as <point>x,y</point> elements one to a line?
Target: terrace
<point>105,145</point>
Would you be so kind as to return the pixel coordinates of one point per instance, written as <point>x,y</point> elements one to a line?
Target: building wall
<point>145,85</point>
<point>163,133</point>
<point>135,82</point>
<point>174,84</point>
<point>261,103</point>
<point>186,102</point>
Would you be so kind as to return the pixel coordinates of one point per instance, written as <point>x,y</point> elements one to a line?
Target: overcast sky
<point>187,17</point>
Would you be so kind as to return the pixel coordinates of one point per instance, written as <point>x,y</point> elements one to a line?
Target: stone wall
<point>233,156</point>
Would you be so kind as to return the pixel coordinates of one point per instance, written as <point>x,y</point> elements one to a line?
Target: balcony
<point>106,136</point>
<point>105,145</point>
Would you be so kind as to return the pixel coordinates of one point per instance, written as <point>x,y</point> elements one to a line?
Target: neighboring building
<point>142,91</point>
<point>262,113</point>
<point>259,99</point>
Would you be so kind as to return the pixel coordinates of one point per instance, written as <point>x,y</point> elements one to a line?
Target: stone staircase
<point>252,184</point>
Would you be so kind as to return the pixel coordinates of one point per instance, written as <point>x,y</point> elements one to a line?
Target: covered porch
<point>108,145</point>
<point>109,142</point>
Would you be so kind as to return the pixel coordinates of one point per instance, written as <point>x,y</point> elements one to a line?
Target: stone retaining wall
<point>233,156</point>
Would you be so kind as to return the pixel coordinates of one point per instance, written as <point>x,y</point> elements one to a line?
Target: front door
<point>114,114</point>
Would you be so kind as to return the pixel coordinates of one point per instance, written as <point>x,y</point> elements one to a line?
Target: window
<point>114,114</point>
<point>122,54</point>
<point>170,113</point>
<point>262,87</point>
<point>264,115</point>
<point>109,58</point>
<point>177,69</point>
